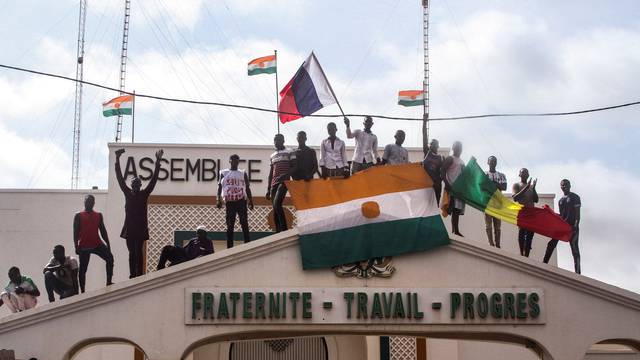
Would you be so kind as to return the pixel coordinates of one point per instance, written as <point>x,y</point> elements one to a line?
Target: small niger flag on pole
<point>410,97</point>
<point>122,105</point>
<point>262,65</point>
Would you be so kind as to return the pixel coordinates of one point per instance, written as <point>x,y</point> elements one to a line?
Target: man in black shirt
<point>136,226</point>
<point>196,247</point>
<point>432,164</point>
<point>569,206</point>
<point>306,160</point>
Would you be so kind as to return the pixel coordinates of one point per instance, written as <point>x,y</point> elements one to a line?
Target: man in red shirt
<point>86,225</point>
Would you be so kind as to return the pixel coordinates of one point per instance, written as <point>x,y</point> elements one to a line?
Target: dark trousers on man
<point>525,238</point>
<point>437,189</point>
<point>278,194</point>
<point>136,258</point>
<point>238,207</point>
<point>356,166</point>
<point>54,285</point>
<point>575,250</point>
<point>339,172</point>
<point>173,254</point>
<point>85,255</point>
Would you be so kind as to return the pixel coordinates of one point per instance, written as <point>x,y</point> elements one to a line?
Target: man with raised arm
<point>234,188</point>
<point>333,155</point>
<point>524,192</point>
<point>432,164</point>
<point>86,226</point>
<point>61,275</point>
<point>283,163</point>
<point>569,206</point>
<point>136,225</point>
<point>492,224</point>
<point>395,153</point>
<point>366,150</point>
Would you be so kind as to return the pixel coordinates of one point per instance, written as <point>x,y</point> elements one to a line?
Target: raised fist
<point>159,154</point>
<point>119,152</point>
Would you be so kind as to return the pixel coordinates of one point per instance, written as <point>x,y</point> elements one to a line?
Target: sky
<point>485,57</point>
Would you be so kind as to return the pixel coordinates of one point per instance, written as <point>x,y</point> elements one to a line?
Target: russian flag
<point>307,92</point>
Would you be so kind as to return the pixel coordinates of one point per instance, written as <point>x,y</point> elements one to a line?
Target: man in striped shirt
<point>283,164</point>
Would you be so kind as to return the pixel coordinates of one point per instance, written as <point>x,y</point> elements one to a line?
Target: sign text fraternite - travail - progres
<point>364,305</point>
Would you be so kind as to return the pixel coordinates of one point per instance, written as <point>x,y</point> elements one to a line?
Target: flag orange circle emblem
<point>370,209</point>
<point>116,105</point>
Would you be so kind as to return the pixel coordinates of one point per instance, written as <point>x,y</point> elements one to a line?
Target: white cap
<point>201,227</point>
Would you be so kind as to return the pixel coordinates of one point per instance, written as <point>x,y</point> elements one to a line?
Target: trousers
<point>278,194</point>
<point>493,229</point>
<point>55,285</point>
<point>239,208</point>
<point>575,250</point>
<point>136,258</point>
<point>85,255</point>
<point>525,238</point>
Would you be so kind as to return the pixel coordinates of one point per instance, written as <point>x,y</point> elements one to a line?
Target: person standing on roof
<point>333,155</point>
<point>366,151</point>
<point>569,206</point>
<point>234,188</point>
<point>524,192</point>
<point>451,168</point>
<point>283,164</point>
<point>492,225</point>
<point>395,153</point>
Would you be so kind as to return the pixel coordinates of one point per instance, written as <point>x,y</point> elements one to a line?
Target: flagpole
<point>425,82</point>
<point>275,53</point>
<point>133,116</point>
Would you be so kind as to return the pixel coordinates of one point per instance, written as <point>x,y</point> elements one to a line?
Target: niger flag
<point>381,211</point>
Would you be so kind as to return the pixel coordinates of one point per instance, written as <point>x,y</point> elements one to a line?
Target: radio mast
<point>123,61</point>
<point>77,113</point>
<point>425,82</point>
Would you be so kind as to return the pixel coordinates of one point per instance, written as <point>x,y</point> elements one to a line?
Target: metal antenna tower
<point>77,114</point>
<point>425,82</point>
<point>123,61</point>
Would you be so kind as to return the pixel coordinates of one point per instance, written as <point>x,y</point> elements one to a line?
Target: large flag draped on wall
<point>307,92</point>
<point>262,65</point>
<point>476,189</point>
<point>122,105</point>
<point>382,211</point>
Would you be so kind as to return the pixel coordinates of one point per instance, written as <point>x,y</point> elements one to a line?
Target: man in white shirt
<point>366,150</point>
<point>234,188</point>
<point>333,154</point>
<point>61,275</point>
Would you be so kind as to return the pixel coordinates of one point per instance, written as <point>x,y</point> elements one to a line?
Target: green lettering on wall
<point>223,309</point>
<point>294,297</point>
<point>386,304</point>
<point>409,306</point>
<point>260,297</point>
<point>234,296</point>
<point>376,308</point>
<point>362,305</point>
<point>509,305</point>
<point>284,305</point>
<point>495,304</point>
<point>483,305</point>
<point>208,306</point>
<point>467,300</point>
<point>455,304</point>
<point>274,305</point>
<point>417,314</point>
<point>306,305</point>
<point>521,305</point>
<point>534,307</point>
<point>246,305</point>
<point>348,296</point>
<point>196,297</point>
<point>398,310</point>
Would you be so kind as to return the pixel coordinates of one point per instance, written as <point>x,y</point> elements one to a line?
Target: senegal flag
<point>382,211</point>
<point>262,65</point>
<point>474,188</point>
<point>122,105</point>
